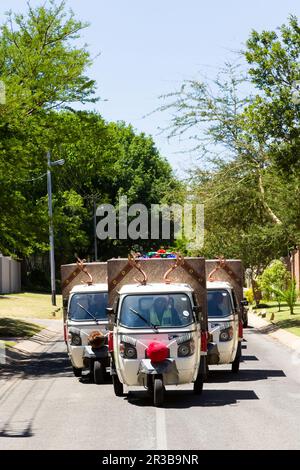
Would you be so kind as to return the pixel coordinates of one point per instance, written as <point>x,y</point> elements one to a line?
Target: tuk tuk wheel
<point>236,363</point>
<point>98,372</point>
<point>158,392</point>
<point>198,384</point>
<point>118,386</point>
<point>76,372</point>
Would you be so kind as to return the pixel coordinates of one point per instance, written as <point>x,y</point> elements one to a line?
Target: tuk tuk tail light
<point>186,349</point>
<point>110,342</point>
<point>240,330</point>
<point>226,334</point>
<point>204,336</point>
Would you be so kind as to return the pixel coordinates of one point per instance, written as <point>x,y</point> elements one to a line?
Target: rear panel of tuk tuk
<point>232,271</point>
<point>192,272</point>
<point>72,275</point>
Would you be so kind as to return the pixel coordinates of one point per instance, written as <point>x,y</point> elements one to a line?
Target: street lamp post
<point>51,232</point>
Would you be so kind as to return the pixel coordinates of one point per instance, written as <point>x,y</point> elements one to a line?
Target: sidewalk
<point>38,343</point>
<point>284,337</point>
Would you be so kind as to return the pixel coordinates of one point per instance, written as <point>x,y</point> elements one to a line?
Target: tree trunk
<point>268,209</point>
<point>256,292</point>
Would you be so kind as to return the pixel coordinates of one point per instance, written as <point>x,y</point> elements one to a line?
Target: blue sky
<point>149,47</point>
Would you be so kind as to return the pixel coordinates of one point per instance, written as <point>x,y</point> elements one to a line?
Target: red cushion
<point>157,352</point>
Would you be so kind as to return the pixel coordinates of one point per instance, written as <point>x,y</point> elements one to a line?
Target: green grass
<point>13,327</point>
<point>9,344</point>
<point>29,305</point>
<point>283,319</point>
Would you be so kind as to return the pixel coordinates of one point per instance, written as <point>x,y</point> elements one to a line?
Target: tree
<point>273,58</point>
<point>43,70</point>
<point>273,280</point>
<point>243,145</point>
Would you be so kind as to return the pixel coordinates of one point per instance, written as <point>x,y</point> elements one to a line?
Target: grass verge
<point>15,328</point>
<point>283,318</point>
<point>30,305</point>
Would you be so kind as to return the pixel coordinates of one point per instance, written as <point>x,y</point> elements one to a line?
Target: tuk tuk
<point>85,318</point>
<point>158,325</point>
<point>225,311</point>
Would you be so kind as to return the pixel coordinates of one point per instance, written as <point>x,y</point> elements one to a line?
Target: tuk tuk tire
<point>77,372</point>
<point>198,384</point>
<point>118,386</point>
<point>158,392</point>
<point>235,367</point>
<point>98,372</point>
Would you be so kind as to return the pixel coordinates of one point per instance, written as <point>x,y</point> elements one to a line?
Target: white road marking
<point>161,431</point>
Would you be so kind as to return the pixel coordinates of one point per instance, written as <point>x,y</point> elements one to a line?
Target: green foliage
<point>45,70</point>
<point>288,295</point>
<point>249,295</point>
<point>42,70</point>
<point>274,69</point>
<point>247,150</point>
<point>273,279</point>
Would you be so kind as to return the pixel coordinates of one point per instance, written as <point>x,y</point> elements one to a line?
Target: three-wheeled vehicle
<point>225,306</point>
<point>85,318</point>
<point>159,326</point>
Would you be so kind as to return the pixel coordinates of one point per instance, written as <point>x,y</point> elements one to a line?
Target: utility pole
<point>95,233</point>
<point>51,232</point>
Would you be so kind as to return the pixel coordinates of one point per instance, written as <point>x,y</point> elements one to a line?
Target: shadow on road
<point>37,365</point>
<point>249,358</point>
<point>187,399</point>
<point>244,375</point>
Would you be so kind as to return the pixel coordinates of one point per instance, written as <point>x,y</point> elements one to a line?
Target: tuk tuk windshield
<point>88,306</point>
<point>156,310</point>
<point>219,303</point>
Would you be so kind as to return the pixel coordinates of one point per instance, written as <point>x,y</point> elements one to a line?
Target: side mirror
<point>111,318</point>
<point>244,302</point>
<point>197,311</point>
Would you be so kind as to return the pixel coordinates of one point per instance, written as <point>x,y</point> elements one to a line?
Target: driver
<point>162,313</point>
<point>91,304</point>
<point>218,303</point>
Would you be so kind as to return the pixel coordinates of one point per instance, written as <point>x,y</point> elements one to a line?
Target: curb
<point>284,337</point>
<point>38,343</point>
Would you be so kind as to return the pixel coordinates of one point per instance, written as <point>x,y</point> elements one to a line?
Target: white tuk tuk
<point>158,335</point>
<point>85,319</point>
<point>224,305</point>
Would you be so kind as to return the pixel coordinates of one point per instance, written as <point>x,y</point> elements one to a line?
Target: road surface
<point>43,406</point>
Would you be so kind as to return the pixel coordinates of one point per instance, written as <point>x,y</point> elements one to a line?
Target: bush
<point>289,295</point>
<point>275,278</point>
<point>249,295</point>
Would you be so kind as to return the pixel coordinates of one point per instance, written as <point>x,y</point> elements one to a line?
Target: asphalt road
<point>43,406</point>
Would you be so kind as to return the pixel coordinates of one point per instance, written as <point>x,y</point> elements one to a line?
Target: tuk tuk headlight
<point>75,339</point>
<point>186,349</point>
<point>128,351</point>
<point>226,334</point>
